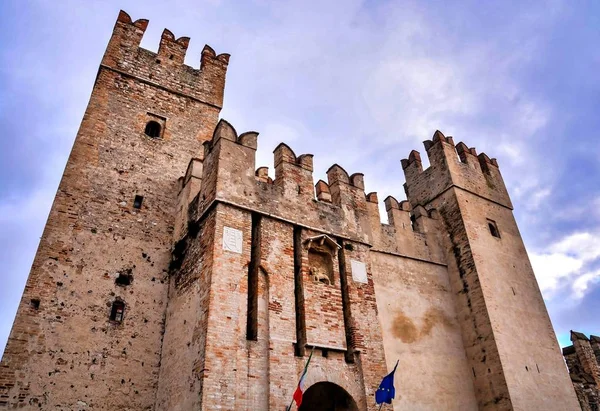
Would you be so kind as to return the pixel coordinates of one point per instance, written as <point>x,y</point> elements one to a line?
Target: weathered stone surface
<point>230,279</point>
<point>582,358</point>
<point>67,351</point>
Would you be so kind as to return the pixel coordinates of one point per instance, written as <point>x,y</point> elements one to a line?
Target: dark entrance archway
<point>326,396</point>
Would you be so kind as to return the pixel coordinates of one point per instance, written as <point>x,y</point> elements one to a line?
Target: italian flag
<point>300,389</point>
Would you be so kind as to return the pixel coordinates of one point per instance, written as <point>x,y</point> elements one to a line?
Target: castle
<point>583,360</point>
<point>173,274</point>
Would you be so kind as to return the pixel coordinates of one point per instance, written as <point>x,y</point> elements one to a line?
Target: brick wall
<point>338,318</point>
<point>66,353</point>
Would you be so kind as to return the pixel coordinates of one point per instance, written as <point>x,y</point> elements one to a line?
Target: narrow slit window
<point>153,129</point>
<point>493,228</point>
<point>137,201</point>
<point>117,312</point>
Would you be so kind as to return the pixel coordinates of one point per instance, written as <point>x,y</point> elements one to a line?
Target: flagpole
<point>387,389</point>
<point>289,407</point>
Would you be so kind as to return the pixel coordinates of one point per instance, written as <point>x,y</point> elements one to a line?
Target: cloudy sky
<point>360,83</point>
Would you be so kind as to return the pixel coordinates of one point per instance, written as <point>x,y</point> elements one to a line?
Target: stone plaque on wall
<point>359,271</point>
<point>232,240</point>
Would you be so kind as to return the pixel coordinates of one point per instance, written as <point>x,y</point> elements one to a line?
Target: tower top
<point>165,68</point>
<point>452,165</point>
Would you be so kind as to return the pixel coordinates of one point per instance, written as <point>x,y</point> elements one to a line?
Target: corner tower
<point>89,326</point>
<point>507,334</point>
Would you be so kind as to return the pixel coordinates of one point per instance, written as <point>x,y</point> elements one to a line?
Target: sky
<point>355,82</point>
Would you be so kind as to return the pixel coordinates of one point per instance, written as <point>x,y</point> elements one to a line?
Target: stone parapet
<point>165,68</point>
<point>452,166</point>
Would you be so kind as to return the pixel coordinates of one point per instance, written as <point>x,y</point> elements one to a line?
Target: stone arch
<point>327,396</point>
<point>339,374</point>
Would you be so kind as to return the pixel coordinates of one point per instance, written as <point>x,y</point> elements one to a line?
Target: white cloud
<point>565,267</point>
<point>552,269</point>
<point>512,150</point>
<point>579,211</point>
<point>583,245</point>
<point>533,116</point>
<point>537,198</point>
<point>582,284</point>
<point>412,95</point>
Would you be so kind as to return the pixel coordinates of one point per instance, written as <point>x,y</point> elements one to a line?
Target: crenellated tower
<point>88,332</point>
<point>507,335</point>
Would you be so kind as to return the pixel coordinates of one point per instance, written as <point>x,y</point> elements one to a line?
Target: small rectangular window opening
<point>413,222</point>
<point>35,303</point>
<point>137,201</point>
<point>493,228</point>
<point>124,279</point>
<point>118,309</point>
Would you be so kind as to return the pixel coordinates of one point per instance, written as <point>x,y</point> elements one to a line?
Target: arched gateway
<point>327,396</point>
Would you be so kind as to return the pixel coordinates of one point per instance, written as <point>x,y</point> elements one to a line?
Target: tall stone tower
<point>506,331</point>
<point>112,224</point>
<point>175,275</point>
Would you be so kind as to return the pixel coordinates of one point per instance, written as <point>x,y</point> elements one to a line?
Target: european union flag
<point>386,391</point>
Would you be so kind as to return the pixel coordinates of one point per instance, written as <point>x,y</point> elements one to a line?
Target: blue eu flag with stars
<point>386,391</point>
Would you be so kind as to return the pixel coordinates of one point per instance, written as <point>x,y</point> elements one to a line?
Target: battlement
<point>452,165</point>
<point>293,174</point>
<point>410,232</point>
<point>229,175</point>
<point>338,206</point>
<point>166,67</point>
<point>224,130</point>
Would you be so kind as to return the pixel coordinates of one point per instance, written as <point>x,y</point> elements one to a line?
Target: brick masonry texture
<point>235,278</point>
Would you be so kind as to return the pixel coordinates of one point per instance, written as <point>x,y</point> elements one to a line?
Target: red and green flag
<point>300,388</point>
